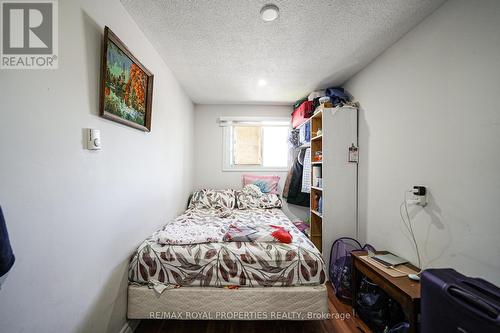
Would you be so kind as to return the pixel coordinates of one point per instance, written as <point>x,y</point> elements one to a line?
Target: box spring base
<point>208,303</point>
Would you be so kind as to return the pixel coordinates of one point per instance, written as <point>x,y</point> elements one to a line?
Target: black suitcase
<point>452,302</point>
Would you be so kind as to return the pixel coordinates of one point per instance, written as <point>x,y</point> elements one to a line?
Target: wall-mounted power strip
<point>419,196</point>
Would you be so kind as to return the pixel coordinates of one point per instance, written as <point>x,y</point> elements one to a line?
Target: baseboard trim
<point>130,326</point>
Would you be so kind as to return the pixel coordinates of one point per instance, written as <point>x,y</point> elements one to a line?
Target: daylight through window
<point>257,145</point>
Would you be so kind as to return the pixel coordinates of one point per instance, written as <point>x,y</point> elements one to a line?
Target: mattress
<point>220,264</point>
<point>208,303</point>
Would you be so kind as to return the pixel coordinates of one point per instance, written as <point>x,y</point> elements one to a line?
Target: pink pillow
<point>267,184</point>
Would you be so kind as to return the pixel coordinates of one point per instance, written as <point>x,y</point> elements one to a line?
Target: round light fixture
<point>269,13</point>
<point>262,83</point>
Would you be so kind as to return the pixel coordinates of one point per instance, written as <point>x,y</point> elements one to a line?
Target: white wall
<point>431,116</point>
<point>76,216</point>
<point>208,148</point>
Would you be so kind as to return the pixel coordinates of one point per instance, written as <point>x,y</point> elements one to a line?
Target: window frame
<point>227,123</point>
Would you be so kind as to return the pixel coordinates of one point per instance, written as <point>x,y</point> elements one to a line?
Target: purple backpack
<point>340,272</point>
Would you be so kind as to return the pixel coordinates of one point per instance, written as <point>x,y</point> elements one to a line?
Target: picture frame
<point>126,90</point>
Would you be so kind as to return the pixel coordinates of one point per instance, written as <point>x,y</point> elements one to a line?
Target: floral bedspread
<point>197,225</point>
<point>219,264</point>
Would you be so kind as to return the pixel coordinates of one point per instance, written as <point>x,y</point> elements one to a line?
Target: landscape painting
<point>126,86</point>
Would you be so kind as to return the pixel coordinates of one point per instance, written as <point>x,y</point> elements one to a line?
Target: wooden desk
<point>403,290</point>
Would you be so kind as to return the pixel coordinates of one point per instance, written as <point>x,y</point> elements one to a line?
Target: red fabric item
<point>282,235</point>
<point>300,114</point>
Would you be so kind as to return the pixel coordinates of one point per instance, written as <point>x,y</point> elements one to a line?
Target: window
<point>255,145</point>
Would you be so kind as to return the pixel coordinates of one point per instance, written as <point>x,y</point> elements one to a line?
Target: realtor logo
<point>29,34</point>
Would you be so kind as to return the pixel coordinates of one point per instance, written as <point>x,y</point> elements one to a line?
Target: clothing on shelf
<point>299,102</point>
<point>316,94</point>
<point>338,96</point>
<point>305,133</point>
<point>301,113</point>
<point>306,172</point>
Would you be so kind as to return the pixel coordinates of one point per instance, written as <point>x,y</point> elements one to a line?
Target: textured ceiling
<point>220,49</point>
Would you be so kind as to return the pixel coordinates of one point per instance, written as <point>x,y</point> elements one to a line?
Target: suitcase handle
<point>473,301</point>
<point>478,284</point>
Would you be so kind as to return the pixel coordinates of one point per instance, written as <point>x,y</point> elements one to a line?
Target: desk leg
<point>413,319</point>
<point>354,282</point>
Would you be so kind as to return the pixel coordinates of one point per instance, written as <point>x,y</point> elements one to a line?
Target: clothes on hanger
<point>295,195</point>
<point>306,172</point>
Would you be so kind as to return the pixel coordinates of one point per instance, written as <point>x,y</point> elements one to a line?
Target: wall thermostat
<point>93,139</point>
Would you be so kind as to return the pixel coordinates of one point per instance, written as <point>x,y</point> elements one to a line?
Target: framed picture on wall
<point>126,94</point>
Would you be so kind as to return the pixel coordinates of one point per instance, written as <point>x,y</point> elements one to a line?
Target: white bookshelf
<point>338,217</point>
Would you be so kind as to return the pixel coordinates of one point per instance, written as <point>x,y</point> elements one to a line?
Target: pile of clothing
<point>337,96</point>
<point>331,97</point>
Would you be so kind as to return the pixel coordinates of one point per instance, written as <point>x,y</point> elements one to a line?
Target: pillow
<point>267,184</point>
<point>209,198</point>
<point>249,201</point>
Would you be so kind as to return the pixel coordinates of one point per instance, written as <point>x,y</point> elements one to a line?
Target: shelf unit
<point>338,217</point>
<point>316,217</point>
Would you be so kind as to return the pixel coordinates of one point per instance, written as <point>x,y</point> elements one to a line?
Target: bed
<point>195,268</point>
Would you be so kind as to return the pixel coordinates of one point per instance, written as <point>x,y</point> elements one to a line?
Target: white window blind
<point>255,144</point>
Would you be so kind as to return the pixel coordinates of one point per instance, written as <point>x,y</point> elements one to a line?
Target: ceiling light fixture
<point>269,13</point>
<point>262,83</point>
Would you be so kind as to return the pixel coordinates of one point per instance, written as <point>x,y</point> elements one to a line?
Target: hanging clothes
<point>286,187</point>
<point>295,195</point>
<point>306,172</point>
<point>293,138</point>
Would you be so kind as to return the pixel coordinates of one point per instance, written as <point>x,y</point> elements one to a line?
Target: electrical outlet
<point>419,196</point>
